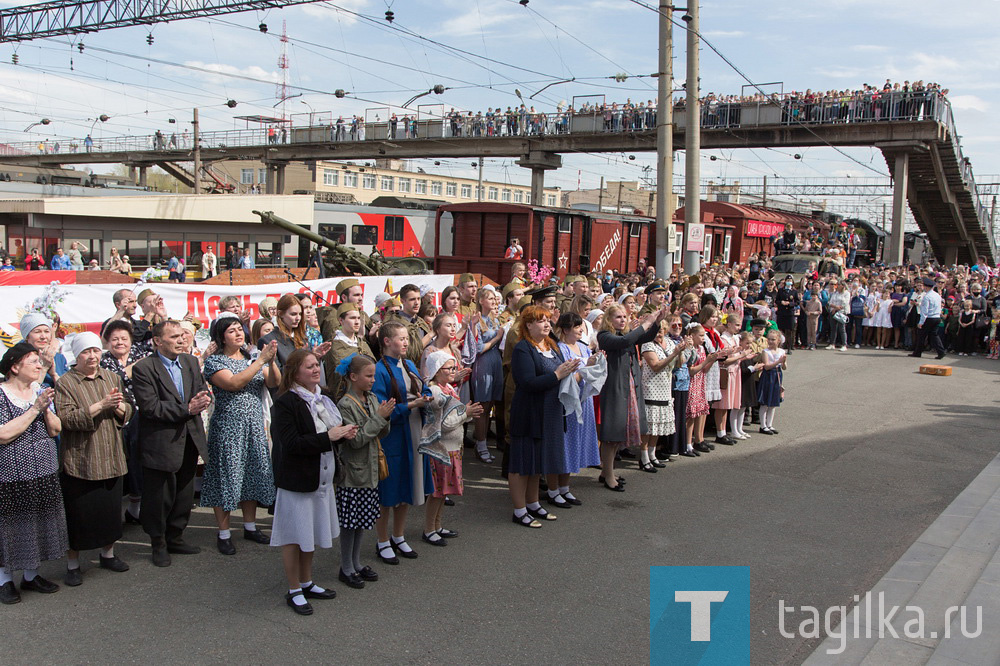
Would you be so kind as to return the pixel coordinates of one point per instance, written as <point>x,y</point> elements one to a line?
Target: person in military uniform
<point>467,289</point>
<point>655,294</point>
<point>347,340</point>
<point>564,296</point>
<point>348,291</point>
<point>512,293</point>
<point>594,289</point>
<point>418,329</point>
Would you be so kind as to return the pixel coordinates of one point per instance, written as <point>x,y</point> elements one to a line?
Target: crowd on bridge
<point>340,420</point>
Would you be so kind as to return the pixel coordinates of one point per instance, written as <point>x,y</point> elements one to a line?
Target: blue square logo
<point>699,615</point>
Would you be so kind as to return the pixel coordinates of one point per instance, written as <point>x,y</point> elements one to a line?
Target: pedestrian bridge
<point>915,132</point>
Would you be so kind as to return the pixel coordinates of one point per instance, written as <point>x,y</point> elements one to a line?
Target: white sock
<point>652,455</point>
<point>29,574</point>
<point>109,552</point>
<point>225,534</point>
<point>400,542</point>
<point>721,432</point>
<point>133,507</point>
<point>250,527</point>
<point>770,417</point>
<point>520,513</point>
<point>5,577</point>
<point>298,598</point>
<point>535,506</point>
<point>644,456</point>
<point>568,495</point>
<point>433,537</point>
<point>72,563</point>
<point>382,545</point>
<point>735,422</point>
<point>553,493</point>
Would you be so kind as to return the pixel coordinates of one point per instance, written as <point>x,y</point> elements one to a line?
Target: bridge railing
<point>776,110</point>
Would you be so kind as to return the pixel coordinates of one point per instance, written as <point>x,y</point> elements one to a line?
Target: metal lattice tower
<point>281,91</point>
<point>70,17</point>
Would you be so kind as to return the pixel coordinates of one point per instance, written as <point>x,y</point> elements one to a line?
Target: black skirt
<point>93,511</point>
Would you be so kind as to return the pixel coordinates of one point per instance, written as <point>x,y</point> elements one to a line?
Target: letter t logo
<point>701,610</point>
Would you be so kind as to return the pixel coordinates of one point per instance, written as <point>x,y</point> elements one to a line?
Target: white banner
<point>91,304</point>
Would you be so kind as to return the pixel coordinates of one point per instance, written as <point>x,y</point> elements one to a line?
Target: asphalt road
<point>869,453</point>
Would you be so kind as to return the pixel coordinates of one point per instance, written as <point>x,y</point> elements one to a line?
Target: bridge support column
<point>275,178</point>
<point>900,179</point>
<point>142,176</point>
<point>539,162</point>
<point>951,253</point>
<point>131,174</point>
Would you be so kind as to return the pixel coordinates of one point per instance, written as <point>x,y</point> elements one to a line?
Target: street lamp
<point>436,90</point>
<point>43,121</point>
<point>311,111</point>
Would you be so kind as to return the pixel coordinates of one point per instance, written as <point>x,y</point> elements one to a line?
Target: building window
<point>505,196</point>
<point>387,183</point>
<point>635,229</point>
<point>518,196</point>
<point>565,224</point>
<point>726,249</point>
<point>246,176</point>
<point>466,191</point>
<point>350,179</point>
<point>451,190</point>
<point>368,181</point>
<point>331,177</point>
<point>494,194</point>
<point>404,185</point>
<point>364,234</point>
<point>420,186</point>
<point>261,176</point>
<point>550,200</point>
<point>393,230</point>
<point>436,188</point>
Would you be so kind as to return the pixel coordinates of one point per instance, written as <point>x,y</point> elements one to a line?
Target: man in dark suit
<point>171,394</point>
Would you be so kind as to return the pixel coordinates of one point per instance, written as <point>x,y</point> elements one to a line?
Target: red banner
<point>760,229</point>
<point>36,277</point>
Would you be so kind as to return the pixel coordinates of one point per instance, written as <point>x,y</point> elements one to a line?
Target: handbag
<point>383,462</point>
<point>840,317</point>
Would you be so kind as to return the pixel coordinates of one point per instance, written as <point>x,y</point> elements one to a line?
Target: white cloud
<point>334,12</point>
<point>253,71</point>
<point>723,33</point>
<point>969,103</point>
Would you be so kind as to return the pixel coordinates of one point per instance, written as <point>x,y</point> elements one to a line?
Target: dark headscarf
<point>15,354</point>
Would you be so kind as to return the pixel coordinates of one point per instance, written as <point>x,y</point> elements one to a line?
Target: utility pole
<point>692,141</point>
<point>763,198</point>
<point>665,144</point>
<point>618,207</point>
<point>600,197</point>
<point>479,197</point>
<point>197,154</point>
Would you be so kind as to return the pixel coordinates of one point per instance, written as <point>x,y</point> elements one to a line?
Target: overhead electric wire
<point>750,82</point>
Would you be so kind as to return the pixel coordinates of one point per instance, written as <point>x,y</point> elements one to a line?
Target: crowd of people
<point>340,420</point>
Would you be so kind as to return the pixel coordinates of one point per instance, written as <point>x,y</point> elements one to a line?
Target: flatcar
<point>473,237</point>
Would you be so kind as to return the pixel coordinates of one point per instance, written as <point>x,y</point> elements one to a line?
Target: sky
<point>482,50</point>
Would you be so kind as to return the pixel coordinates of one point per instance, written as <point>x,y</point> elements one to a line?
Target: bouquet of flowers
<point>154,274</point>
<point>53,295</point>
<point>539,274</point>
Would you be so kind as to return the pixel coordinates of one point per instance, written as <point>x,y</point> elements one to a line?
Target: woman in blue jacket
<point>409,479</point>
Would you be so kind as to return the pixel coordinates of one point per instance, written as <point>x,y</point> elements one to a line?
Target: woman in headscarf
<point>32,516</point>
<point>91,403</point>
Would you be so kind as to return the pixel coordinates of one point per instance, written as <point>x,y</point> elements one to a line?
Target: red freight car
<point>570,240</point>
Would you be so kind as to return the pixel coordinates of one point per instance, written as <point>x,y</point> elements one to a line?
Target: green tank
<point>343,260</point>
